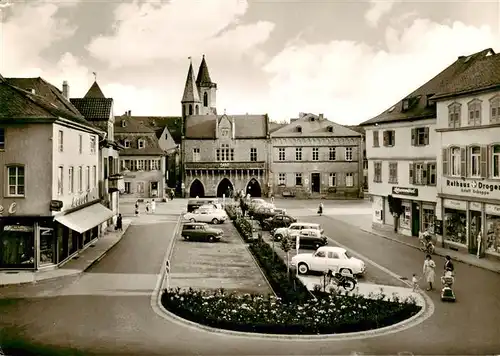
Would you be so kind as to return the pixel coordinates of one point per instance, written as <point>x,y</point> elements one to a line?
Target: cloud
<point>378,8</point>
<point>351,82</point>
<point>176,30</point>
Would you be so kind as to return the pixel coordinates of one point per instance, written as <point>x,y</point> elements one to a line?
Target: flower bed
<point>328,314</point>
<point>232,211</point>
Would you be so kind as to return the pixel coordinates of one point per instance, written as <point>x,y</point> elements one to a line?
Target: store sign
<point>475,206</point>
<point>56,205</point>
<point>472,188</point>
<point>85,198</point>
<point>405,191</point>
<point>491,209</point>
<point>18,228</point>
<point>455,204</point>
<point>11,210</point>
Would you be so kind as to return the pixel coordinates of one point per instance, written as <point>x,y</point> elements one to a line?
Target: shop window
<point>405,219</point>
<point>455,226</point>
<point>17,241</point>
<point>495,161</point>
<point>47,243</point>
<point>428,220</point>
<point>493,234</point>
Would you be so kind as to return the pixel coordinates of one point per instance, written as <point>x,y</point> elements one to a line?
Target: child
<point>414,281</point>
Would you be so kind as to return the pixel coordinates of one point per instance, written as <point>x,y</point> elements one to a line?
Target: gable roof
<point>246,126</point>
<point>158,123</point>
<point>94,109</point>
<point>482,74</point>
<point>131,126</point>
<point>314,126</point>
<point>151,145</point>
<point>273,126</point>
<point>45,89</point>
<point>94,91</point>
<point>418,108</point>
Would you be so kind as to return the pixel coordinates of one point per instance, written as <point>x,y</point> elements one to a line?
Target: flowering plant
<point>327,313</point>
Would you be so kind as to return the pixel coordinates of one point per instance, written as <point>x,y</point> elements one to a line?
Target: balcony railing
<point>225,165</point>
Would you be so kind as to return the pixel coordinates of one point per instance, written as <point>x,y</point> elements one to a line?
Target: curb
<point>436,252</point>
<point>125,228</point>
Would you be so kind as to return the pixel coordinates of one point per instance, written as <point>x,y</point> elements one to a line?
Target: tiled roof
<point>246,126</point>
<point>273,126</point>
<point>45,89</point>
<point>151,148</point>
<point>203,78</point>
<point>418,108</point>
<point>158,123</point>
<point>482,74</point>
<point>190,89</point>
<point>313,126</point>
<point>94,91</point>
<point>94,109</point>
<point>356,128</point>
<point>131,126</point>
<point>17,103</point>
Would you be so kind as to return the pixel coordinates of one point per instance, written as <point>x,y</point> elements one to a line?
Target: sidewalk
<point>77,265</point>
<point>486,263</point>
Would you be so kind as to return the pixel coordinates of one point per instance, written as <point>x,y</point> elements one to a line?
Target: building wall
<point>138,178</point>
<point>324,166</point>
<point>70,157</point>
<point>29,145</point>
<point>241,149</point>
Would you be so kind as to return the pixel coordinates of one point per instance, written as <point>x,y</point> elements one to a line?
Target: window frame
<point>474,108</point>
<point>315,154</point>
<point>60,140</point>
<point>393,172</point>
<point>299,179</point>
<point>298,153</point>
<point>2,138</point>
<point>17,185</point>
<point>494,105</point>
<point>474,157</point>
<point>281,150</point>
<point>389,138</point>
<point>454,115</point>
<point>332,154</point>
<point>87,177</point>
<point>126,143</point>
<point>93,144</point>
<point>196,154</point>
<point>139,141</point>
<point>60,180</point>
<point>80,179</point>
<point>376,138</point>
<point>492,155</point>
<point>332,180</point>
<point>71,180</point>
<point>377,172</point>
<point>80,144</point>
<point>457,165</point>
<point>282,179</point>
<point>349,151</point>
<point>253,154</point>
<point>351,175</point>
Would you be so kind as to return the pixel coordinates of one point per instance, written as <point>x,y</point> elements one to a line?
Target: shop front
<point>492,229</point>
<point>455,222</point>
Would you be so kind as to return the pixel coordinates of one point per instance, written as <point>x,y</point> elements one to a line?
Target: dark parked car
<point>201,232</point>
<point>309,238</point>
<point>277,221</point>
<point>263,212</point>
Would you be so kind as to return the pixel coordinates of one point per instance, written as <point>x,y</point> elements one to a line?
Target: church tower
<point>191,99</point>
<point>206,90</point>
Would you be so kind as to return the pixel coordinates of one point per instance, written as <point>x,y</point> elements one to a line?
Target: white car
<point>328,258</point>
<point>207,215</point>
<point>294,230</point>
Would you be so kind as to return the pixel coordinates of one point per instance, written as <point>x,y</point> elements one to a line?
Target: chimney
<point>65,89</point>
<point>321,116</point>
<point>129,113</point>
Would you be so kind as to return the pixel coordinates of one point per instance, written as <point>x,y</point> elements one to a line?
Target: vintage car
<point>277,221</point>
<point>263,212</point>
<point>201,232</point>
<point>207,215</point>
<point>294,229</point>
<point>328,258</point>
<point>194,204</point>
<point>310,238</point>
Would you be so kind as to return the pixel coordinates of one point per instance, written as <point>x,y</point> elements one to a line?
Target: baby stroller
<point>447,293</point>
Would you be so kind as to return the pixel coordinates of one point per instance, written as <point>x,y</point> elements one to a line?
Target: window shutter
<point>386,138</point>
<point>394,137</point>
<point>445,162</point>
<point>484,161</point>
<point>426,135</point>
<point>413,136</point>
<point>428,172</point>
<point>463,162</point>
<point>425,176</point>
<point>489,151</point>
<point>411,173</point>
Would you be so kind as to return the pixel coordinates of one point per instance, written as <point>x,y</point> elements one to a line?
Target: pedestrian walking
<point>172,195</point>
<point>153,206</point>
<point>448,265</point>
<point>119,223</point>
<point>272,199</point>
<point>137,208</point>
<point>414,282</point>
<point>148,207</point>
<point>429,271</point>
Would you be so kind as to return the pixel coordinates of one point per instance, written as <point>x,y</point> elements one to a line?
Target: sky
<point>349,60</point>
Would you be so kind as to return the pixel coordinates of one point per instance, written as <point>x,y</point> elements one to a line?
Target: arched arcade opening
<point>197,189</point>
<point>225,187</point>
<point>253,188</point>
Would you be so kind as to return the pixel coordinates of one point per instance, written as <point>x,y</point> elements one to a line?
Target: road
<point>108,309</point>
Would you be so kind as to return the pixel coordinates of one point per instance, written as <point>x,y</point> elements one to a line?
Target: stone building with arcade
<point>221,154</point>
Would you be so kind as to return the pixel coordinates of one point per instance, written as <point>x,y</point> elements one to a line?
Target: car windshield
<point>347,255</point>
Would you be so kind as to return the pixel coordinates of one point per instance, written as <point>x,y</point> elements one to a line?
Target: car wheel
<point>186,237</point>
<point>192,220</point>
<point>278,237</point>
<point>211,239</point>
<point>303,268</point>
<point>215,221</point>
<point>345,270</point>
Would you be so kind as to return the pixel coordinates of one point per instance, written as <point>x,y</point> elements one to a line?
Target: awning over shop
<point>86,218</point>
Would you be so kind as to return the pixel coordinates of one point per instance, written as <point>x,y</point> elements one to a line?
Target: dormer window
<point>124,123</point>
<point>329,129</point>
<point>126,143</point>
<point>429,102</point>
<point>299,128</point>
<point>312,118</point>
<point>141,143</point>
<point>406,104</point>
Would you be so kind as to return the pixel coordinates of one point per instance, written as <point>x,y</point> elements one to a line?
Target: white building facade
<point>402,165</point>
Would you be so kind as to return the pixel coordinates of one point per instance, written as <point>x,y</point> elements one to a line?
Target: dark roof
<point>45,89</point>
<point>151,147</point>
<point>158,123</point>
<point>203,78</point>
<point>131,126</point>
<point>356,128</point>
<point>482,74</point>
<point>94,109</point>
<point>94,91</point>
<point>190,89</point>
<point>246,126</point>
<point>46,103</point>
<point>418,103</point>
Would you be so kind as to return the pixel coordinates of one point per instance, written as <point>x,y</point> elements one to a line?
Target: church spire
<point>203,78</point>
<point>190,89</point>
